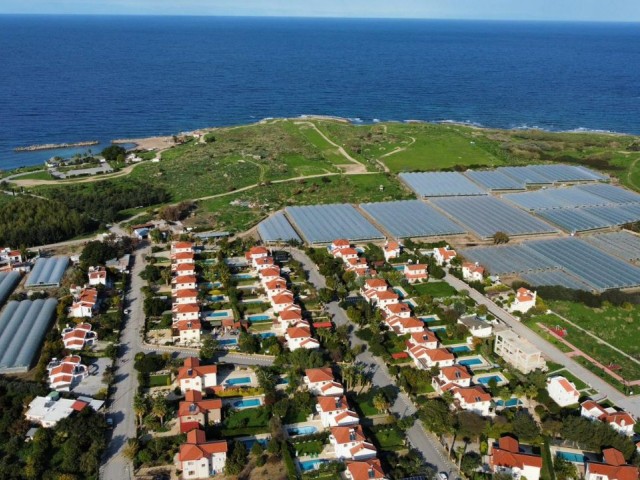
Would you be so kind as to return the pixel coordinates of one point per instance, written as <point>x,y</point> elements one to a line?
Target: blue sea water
<point>74,78</point>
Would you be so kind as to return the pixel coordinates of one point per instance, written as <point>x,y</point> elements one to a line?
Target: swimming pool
<point>429,319</point>
<point>488,378</point>
<point>400,292</point>
<point>258,318</point>
<point>212,284</point>
<point>283,381</point>
<point>250,442</point>
<point>238,381</point>
<point>459,349</point>
<point>267,334</point>
<point>437,329</point>
<point>243,276</point>
<point>249,403</point>
<point>215,298</point>
<point>308,430</point>
<point>571,456</point>
<point>512,402</point>
<point>228,341</point>
<point>309,465</point>
<point>398,267</point>
<point>218,314</point>
<point>470,362</point>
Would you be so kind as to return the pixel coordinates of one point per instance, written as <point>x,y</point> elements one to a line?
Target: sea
<point>81,78</point>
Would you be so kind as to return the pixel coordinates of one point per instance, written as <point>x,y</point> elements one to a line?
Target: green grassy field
<point>434,289</point>
<point>629,370</point>
<point>390,438</point>
<point>328,151</point>
<point>226,213</point>
<point>40,175</point>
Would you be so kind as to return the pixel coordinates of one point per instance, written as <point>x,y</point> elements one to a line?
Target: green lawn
<point>162,380</point>
<point>40,175</point>
<point>246,422</point>
<point>364,401</point>
<point>240,211</point>
<point>312,447</point>
<point>388,438</point>
<point>328,151</point>
<point>435,289</point>
<point>601,352</point>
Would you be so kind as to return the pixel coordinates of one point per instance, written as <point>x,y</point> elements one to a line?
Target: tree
<point>500,238</point>
<point>156,235</point>
<point>326,295</point>
<point>131,449</point>
<point>208,347</point>
<point>140,407</point>
<point>524,426</point>
<point>248,343</point>
<point>380,403</point>
<point>563,469</point>
<point>470,425</point>
<point>160,408</point>
<point>97,253</point>
<point>112,152</point>
<point>237,460</point>
<point>436,416</point>
<point>470,462</point>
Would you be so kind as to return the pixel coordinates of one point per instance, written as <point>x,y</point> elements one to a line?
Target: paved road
<point>630,404</point>
<point>419,438</point>
<point>115,465</point>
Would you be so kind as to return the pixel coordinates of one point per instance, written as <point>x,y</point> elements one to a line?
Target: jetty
<point>53,146</point>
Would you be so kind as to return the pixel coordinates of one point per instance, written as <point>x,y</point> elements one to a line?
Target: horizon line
<point>315,17</point>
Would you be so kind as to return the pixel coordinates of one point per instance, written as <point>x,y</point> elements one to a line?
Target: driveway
<point>115,465</point>
<point>630,404</point>
<point>418,437</point>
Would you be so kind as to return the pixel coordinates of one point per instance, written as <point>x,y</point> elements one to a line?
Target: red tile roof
<point>348,434</point>
<point>366,470</point>
<point>316,375</point>
<point>508,455</point>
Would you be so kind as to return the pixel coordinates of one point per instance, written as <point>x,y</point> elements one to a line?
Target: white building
<point>449,377</point>
<point>478,328</point>
<point>443,256</point>
<point>350,443</point>
<point>78,337</point>
<point>622,422</point>
<point>65,374</point>
<point>472,272</point>
<point>199,458</point>
<point>186,296</point>
<point>613,467</point>
<point>193,376</point>
<point>472,399</point>
<point>425,358</point>
<point>187,332</point>
<point>365,470</point>
<point>416,273</point>
<point>48,411</point>
<point>391,250</point>
<point>318,379</point>
<point>299,336</point>
<point>335,412</point>
<point>507,458</point>
<point>185,311</point>
<point>525,300</point>
<point>562,391</point>
<point>97,276</point>
<point>518,352</point>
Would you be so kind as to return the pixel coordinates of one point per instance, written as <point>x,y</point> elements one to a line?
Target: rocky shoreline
<point>53,146</point>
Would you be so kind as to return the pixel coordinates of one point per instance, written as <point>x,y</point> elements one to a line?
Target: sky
<point>554,10</point>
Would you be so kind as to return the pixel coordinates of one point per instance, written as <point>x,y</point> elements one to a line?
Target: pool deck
<point>502,382</point>
<point>310,423</point>
<point>230,401</point>
<point>226,374</point>
<point>485,365</point>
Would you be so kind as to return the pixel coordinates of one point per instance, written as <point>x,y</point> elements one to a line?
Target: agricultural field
<point>434,289</point>
<point>616,326</point>
<point>238,212</point>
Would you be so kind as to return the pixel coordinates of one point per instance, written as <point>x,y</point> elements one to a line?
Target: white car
<point>443,476</point>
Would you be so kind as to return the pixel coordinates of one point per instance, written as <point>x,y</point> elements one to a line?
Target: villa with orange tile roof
<point>425,338</point>
<point>335,412</point>
<point>425,358</point>
<point>66,373</point>
<point>350,443</point>
<point>404,325</point>
<point>185,311</point>
<point>183,282</point>
<point>282,301</point>
<point>182,258</point>
<point>622,422</point>
<point>78,337</point>
<point>359,266</point>
<point>315,379</point>
<point>613,467</point>
<point>365,470</point>
<point>287,318</point>
<point>188,295</point>
<point>97,276</point>
<point>562,391</point>
<point>299,336</point>
<point>262,263</point>
<point>193,376</point>
<point>339,243</point>
<point>85,304</point>
<point>345,254</point>
<point>199,458</point>
<point>416,272</point>
<point>276,287</point>
<point>268,274</point>
<point>472,272</point>
<point>443,256</point>
<point>187,332</point>
<point>256,252</point>
<point>449,377</point>
<point>195,412</point>
<point>507,458</point>
<point>399,309</point>
<point>472,399</point>
<point>391,250</point>
<point>184,268</point>
<point>525,300</point>
<point>181,247</point>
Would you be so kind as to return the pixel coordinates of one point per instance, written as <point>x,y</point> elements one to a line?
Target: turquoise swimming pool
<point>398,267</point>
<point>246,403</point>
<point>267,334</point>
<point>217,314</point>
<point>470,362</point>
<point>308,430</point>
<point>309,465</point>
<point>250,442</point>
<point>228,341</point>
<point>512,402</point>
<point>571,456</point>
<point>238,381</point>
<point>243,276</point>
<point>459,349</point>
<point>485,380</point>
<point>215,298</point>
<point>259,318</point>
<point>437,329</point>
<point>429,319</point>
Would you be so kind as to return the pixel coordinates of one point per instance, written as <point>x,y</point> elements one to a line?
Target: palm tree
<point>531,392</point>
<point>165,274</point>
<point>140,407</point>
<point>160,408</point>
<point>349,375</point>
<point>380,403</point>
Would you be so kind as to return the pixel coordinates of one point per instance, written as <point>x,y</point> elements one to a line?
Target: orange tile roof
<point>426,336</point>
<point>455,372</point>
<point>298,332</point>
<point>184,267</point>
<point>341,242</point>
<point>182,256</point>
<point>387,295</point>
<point>270,272</point>
<point>184,325</point>
<point>472,394</point>
<point>185,279</point>
<point>316,375</point>
<point>439,355</point>
<point>374,283</point>
<point>331,404</point>
<point>366,470</point>
<point>187,293</point>
<point>282,298</point>
<point>185,308</point>
<point>192,369</point>
<point>511,459</point>
<point>258,251</point>
<point>416,267</point>
<point>348,434</point>
<point>614,466</point>
<point>182,245</point>
<point>290,315</point>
